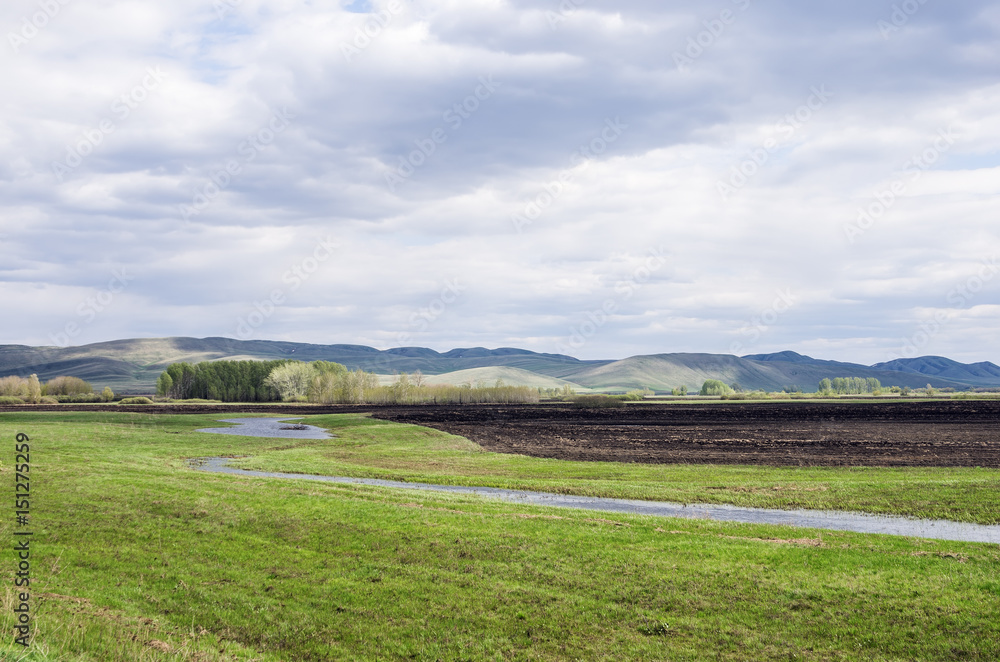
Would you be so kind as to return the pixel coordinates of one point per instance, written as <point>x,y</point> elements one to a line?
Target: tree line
<point>228,381</point>
<point>850,386</point>
<point>322,382</point>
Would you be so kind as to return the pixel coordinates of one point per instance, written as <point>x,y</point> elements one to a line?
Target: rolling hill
<point>665,371</point>
<point>938,366</point>
<point>510,376</point>
<point>132,366</point>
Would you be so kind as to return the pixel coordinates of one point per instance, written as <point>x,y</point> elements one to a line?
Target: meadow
<point>137,557</point>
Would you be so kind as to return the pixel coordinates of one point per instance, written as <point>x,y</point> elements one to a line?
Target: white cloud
<point>352,118</point>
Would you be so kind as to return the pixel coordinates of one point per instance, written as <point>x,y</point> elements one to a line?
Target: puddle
<point>275,428</point>
<point>814,519</point>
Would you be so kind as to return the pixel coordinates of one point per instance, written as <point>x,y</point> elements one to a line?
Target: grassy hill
<point>984,373</point>
<point>662,372</point>
<point>132,366</point>
<point>666,371</point>
<point>510,377</point>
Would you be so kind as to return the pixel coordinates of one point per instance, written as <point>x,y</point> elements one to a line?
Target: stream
<point>813,519</point>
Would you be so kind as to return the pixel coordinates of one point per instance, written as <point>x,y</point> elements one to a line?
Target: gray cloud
<point>311,107</point>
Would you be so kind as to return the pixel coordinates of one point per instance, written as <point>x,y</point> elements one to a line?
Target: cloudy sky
<point>602,179</point>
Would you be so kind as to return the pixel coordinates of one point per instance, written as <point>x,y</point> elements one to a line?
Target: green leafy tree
<point>680,390</point>
<point>229,381</point>
<point>291,380</point>
<point>182,379</point>
<point>329,367</point>
<point>67,386</point>
<point>107,395</point>
<point>164,384</point>
<point>14,386</point>
<point>715,387</point>
<point>34,390</point>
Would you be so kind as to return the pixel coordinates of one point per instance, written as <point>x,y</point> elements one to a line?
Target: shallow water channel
<point>814,519</point>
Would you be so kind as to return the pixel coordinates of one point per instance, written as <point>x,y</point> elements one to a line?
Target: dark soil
<point>943,434</point>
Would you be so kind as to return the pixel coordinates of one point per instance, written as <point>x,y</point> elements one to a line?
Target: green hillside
<point>666,371</point>
<point>941,367</point>
<point>663,372</point>
<point>132,366</point>
<point>510,377</point>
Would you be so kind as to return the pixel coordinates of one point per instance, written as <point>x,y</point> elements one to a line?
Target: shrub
<point>10,400</point>
<point>680,390</point>
<point>80,397</point>
<point>597,402</point>
<point>67,386</point>
<point>136,401</point>
<point>636,395</point>
<point>49,400</point>
<point>747,395</point>
<point>14,386</point>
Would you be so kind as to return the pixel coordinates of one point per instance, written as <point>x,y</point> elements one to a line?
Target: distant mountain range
<point>132,366</point>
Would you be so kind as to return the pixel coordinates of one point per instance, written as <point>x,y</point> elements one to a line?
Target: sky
<point>599,179</point>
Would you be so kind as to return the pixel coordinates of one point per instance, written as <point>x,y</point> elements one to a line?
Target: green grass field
<point>371,448</point>
<point>137,557</point>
